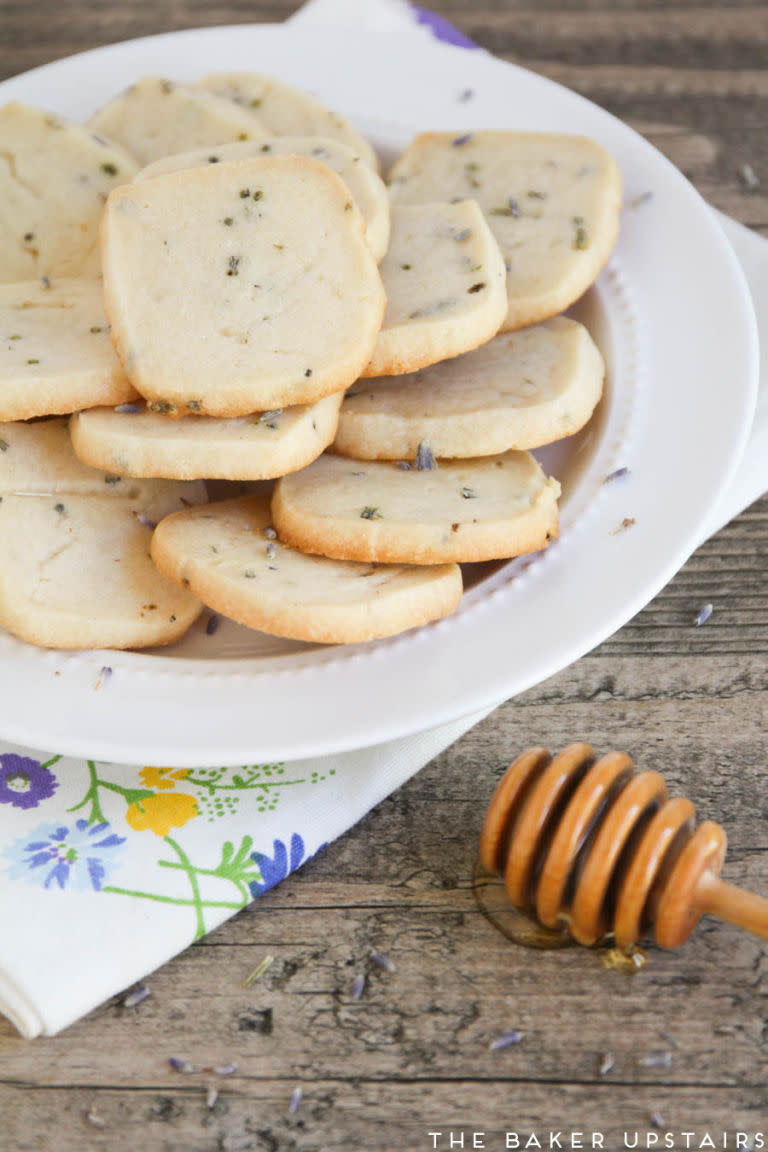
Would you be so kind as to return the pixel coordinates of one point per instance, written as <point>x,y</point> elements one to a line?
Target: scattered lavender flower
<point>657,1121</point>
<point>749,177</point>
<point>93,1117</point>
<point>212,624</point>
<point>270,534</point>
<point>702,615</point>
<point>358,987</point>
<point>258,971</point>
<point>181,1065</point>
<point>617,474</point>
<point>228,1069</point>
<point>425,461</point>
<point>128,409</point>
<point>383,962</point>
<point>465,234</point>
<point>466,95</point>
<point>638,201</point>
<point>656,1060</point>
<point>136,996</point>
<point>271,549</point>
<point>145,520</point>
<point>460,141</point>
<point>296,1097</point>
<point>211,1097</point>
<point>104,675</point>
<point>505,1041</point>
<point>403,465</point>
<point>606,1063</point>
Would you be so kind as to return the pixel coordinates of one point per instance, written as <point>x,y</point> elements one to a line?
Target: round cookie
<point>521,390</point>
<point>229,557</point>
<point>156,117</point>
<point>490,508</point>
<point>77,571</point>
<point>54,178</point>
<point>56,354</point>
<point>259,447</point>
<point>444,279</point>
<point>289,111</point>
<point>552,201</point>
<point>240,287</point>
<point>366,187</point>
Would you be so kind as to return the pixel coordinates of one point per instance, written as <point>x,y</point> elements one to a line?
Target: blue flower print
<point>77,856</point>
<point>275,868</point>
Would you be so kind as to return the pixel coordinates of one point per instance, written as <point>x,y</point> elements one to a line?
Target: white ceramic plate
<point>674,320</point>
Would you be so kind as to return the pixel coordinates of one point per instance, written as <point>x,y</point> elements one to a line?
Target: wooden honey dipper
<point>587,842</point>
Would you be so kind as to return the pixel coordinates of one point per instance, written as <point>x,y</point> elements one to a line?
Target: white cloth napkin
<point>113,869</point>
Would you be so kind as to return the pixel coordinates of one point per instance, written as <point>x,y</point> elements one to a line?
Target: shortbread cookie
<point>76,569</point>
<point>483,509</point>
<point>54,179</point>
<point>552,201</point>
<point>444,279</point>
<point>227,555</point>
<point>288,111</point>
<point>56,354</point>
<point>239,288</point>
<point>259,447</point>
<point>157,117</point>
<point>366,187</point>
<point>521,390</point>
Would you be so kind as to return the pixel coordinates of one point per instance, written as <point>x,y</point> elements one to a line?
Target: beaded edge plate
<point>673,317</point>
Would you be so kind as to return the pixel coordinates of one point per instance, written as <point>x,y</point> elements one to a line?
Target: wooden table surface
<point>688,1034</point>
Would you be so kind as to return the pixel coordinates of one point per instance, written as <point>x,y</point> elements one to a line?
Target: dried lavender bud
<point>381,961</point>
<point>618,474</point>
<point>425,461</point>
<point>460,141</point>
<point>139,993</point>
<point>506,1041</point>
<point>212,624</point>
<point>145,520</point>
<point>125,409</point>
<point>703,615</point>
<point>181,1065</point>
<point>358,987</point>
<point>295,1101</point>
<point>606,1063</point>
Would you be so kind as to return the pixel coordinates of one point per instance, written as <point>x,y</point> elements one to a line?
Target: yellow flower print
<point>162,777</point>
<point>162,812</point>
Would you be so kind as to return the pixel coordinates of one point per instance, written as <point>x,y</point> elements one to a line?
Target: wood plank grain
<point>412,1055</point>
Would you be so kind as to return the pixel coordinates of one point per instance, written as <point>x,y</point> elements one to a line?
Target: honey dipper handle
<point>744,909</point>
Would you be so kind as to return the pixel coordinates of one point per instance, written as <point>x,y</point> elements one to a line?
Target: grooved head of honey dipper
<point>677,913</point>
<point>505,804</point>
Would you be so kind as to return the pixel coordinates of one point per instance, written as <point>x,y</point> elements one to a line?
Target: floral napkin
<point>114,869</point>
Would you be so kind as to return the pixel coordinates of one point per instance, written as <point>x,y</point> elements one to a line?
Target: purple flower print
<point>76,856</point>
<point>24,782</point>
<point>442,29</point>
<point>275,868</point>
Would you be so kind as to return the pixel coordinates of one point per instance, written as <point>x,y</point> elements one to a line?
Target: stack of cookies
<point>212,282</point>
